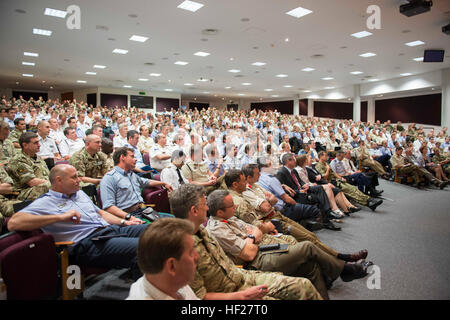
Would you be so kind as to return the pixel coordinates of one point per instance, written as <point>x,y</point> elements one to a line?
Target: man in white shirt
<point>55,133</point>
<point>172,174</point>
<point>48,149</point>
<point>168,260</point>
<point>160,153</point>
<point>120,140</point>
<point>70,144</point>
<point>145,141</point>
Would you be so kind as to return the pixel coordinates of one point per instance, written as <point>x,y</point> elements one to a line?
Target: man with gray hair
<point>160,153</point>
<point>172,174</point>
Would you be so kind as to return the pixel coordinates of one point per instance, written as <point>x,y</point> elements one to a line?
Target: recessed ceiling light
<point>241,94</point>
<point>120,51</point>
<point>281,75</point>
<point>246,84</point>
<point>268,89</point>
<point>288,86</point>
<point>286,40</point>
<point>307,91</point>
<point>181,63</point>
<point>42,32</point>
<point>168,89</point>
<point>55,13</point>
<point>361,34</point>
<point>81,81</point>
<point>367,55</point>
<point>31,54</point>
<point>308,69</point>
<point>190,5</point>
<point>143,79</point>
<point>51,87</point>
<point>299,12</point>
<point>206,92</point>
<point>327,78</point>
<point>97,66</point>
<point>418,59</point>
<point>234,70</point>
<point>414,43</point>
<point>227,87</point>
<point>380,95</point>
<point>373,80</point>
<point>127,86</point>
<point>258,64</point>
<point>188,84</point>
<point>328,88</point>
<point>138,38</point>
<point>91,73</point>
<point>203,80</point>
<point>27,75</point>
<point>275,95</point>
<point>202,54</point>
<point>356,72</point>
<point>405,74</point>
<point>155,74</point>
<point>28,63</point>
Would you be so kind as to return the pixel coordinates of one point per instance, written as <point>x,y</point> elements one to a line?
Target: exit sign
<point>142,93</point>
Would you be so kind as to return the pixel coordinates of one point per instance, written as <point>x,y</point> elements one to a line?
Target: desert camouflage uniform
<point>7,151</point>
<point>437,159</point>
<point>22,168</point>
<point>348,189</point>
<point>89,166</point>
<point>254,216</point>
<point>411,170</point>
<point>199,172</point>
<point>6,204</point>
<point>14,136</point>
<point>217,273</point>
<point>367,161</point>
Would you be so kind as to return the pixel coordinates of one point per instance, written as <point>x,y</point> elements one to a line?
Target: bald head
<point>93,143</point>
<point>59,170</point>
<point>64,179</point>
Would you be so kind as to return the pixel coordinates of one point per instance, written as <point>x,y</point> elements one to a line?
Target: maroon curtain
<point>333,110</point>
<point>167,103</point>
<point>112,100</point>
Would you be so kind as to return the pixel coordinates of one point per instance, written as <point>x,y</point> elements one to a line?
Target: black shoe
<point>355,271</point>
<point>330,226</point>
<point>374,203</point>
<point>442,185</point>
<point>356,209</point>
<point>313,225</point>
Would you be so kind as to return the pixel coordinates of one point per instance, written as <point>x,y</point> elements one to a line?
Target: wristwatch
<point>251,236</point>
<point>128,216</point>
<point>122,222</point>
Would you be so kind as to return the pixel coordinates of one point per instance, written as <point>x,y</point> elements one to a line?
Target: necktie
<point>295,180</point>
<point>180,179</point>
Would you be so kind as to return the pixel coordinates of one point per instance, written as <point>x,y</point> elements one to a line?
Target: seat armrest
<point>64,243</point>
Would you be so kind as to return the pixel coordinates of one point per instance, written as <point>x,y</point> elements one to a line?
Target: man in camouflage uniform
<point>7,150</point>
<point>438,158</point>
<point>362,153</point>
<point>241,241</point>
<point>349,190</point>
<point>19,128</point>
<point>6,203</point>
<point>28,171</point>
<point>217,277</point>
<point>90,162</point>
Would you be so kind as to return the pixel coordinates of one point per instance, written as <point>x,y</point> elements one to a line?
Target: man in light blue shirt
<point>69,215</point>
<point>357,179</point>
<point>120,189</point>
<point>141,168</point>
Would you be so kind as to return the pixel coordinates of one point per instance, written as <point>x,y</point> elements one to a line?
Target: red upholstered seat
<point>157,196</point>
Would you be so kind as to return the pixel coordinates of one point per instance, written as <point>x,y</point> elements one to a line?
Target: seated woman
<point>424,161</point>
<point>335,196</point>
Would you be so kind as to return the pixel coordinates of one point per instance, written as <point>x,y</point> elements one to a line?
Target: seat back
<point>146,157</point>
<point>91,191</point>
<point>157,196</point>
<point>19,206</point>
<point>29,266</point>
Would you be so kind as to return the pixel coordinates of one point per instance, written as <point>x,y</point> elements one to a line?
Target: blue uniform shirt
<point>121,189</point>
<point>273,185</point>
<point>138,156</point>
<point>55,203</point>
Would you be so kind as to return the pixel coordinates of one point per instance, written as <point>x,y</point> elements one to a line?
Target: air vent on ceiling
<point>111,39</point>
<point>204,39</point>
<point>118,80</point>
<point>103,28</point>
<point>239,76</point>
<point>245,19</point>
<point>317,56</point>
<point>149,63</point>
<point>132,15</point>
<point>20,11</point>
<point>210,32</point>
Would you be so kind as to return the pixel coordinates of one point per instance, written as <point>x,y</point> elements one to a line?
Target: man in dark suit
<point>303,192</point>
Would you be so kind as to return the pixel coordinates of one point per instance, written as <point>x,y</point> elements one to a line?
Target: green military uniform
<point>439,158</point>
<point>199,172</point>
<point>252,215</point>
<point>7,151</point>
<point>89,166</point>
<point>348,189</point>
<point>109,162</point>
<point>6,204</point>
<point>22,168</point>
<point>14,135</point>
<point>410,169</point>
<point>303,259</point>
<point>367,161</point>
<point>217,273</point>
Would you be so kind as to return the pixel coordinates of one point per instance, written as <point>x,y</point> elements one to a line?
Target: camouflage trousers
<point>374,165</point>
<point>304,259</point>
<point>6,209</point>
<point>413,171</point>
<point>300,233</point>
<point>33,192</point>
<point>429,176</point>
<point>281,287</point>
<point>220,184</point>
<point>353,192</point>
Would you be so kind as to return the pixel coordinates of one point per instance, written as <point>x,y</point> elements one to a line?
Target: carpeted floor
<point>408,238</point>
